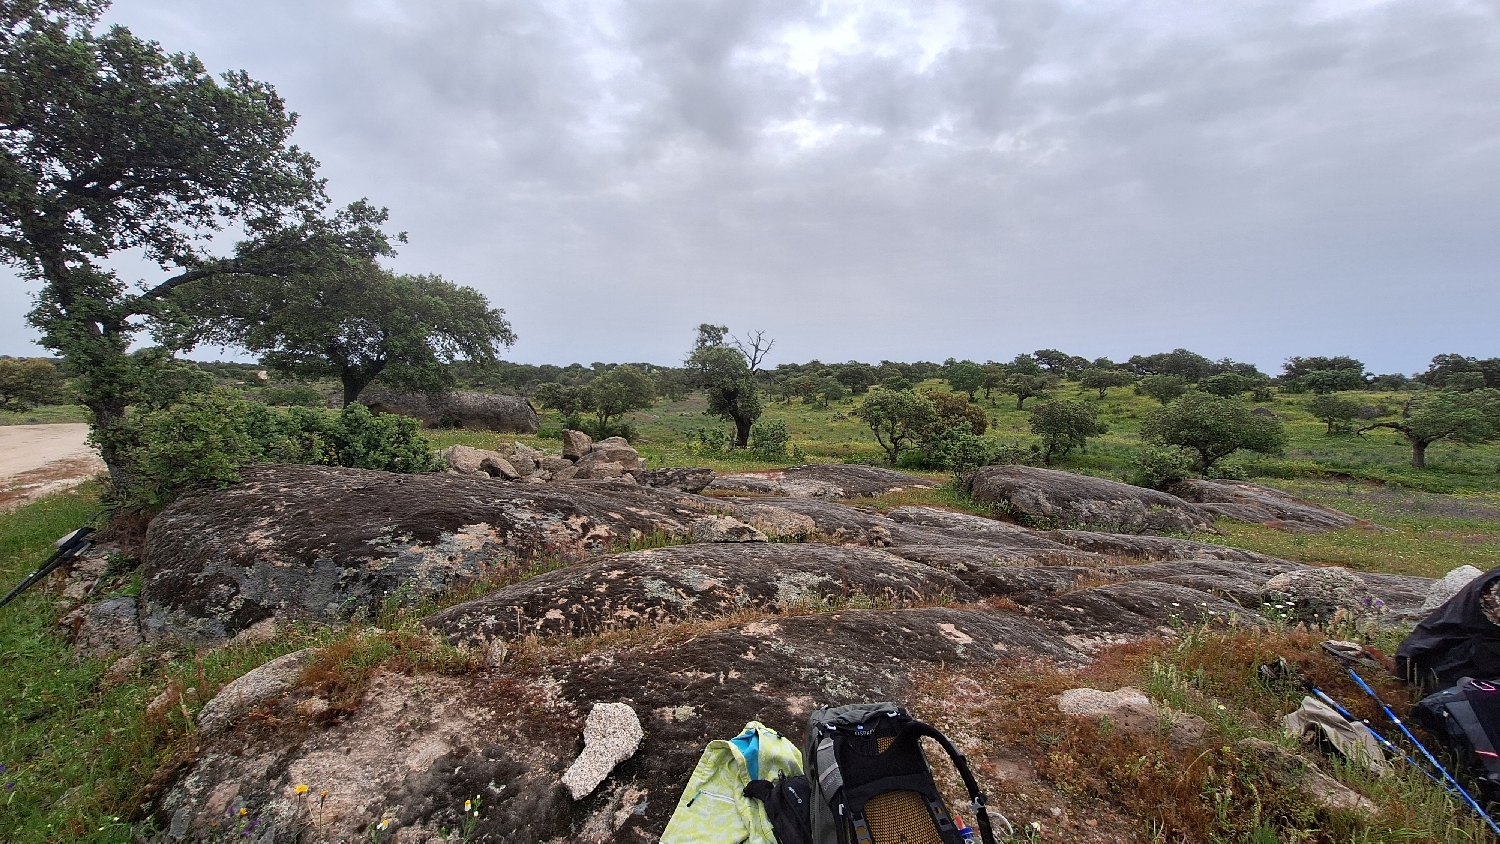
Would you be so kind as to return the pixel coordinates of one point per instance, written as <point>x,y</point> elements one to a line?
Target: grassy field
<point>48,415</point>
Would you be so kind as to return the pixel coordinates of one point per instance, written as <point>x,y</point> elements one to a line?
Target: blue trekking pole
<point>1384,742</point>
<point>1473,804</point>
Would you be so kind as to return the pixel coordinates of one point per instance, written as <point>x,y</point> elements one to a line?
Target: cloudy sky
<point>874,180</point>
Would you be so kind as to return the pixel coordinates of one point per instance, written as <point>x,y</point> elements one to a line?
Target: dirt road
<point>38,460</point>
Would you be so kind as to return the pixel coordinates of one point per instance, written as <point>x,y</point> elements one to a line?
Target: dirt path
<point>38,460</point>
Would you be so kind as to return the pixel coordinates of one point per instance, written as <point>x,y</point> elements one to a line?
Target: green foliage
<point>618,392</point>
<point>127,147</point>
<point>28,382</point>
<point>1322,374</point>
<point>964,376</point>
<point>1189,366</point>
<point>1159,468</point>
<point>293,395</point>
<point>1212,427</point>
<point>1103,379</point>
<point>1024,386</point>
<point>1229,384</point>
<point>726,375</point>
<point>202,442</point>
<point>958,450</point>
<point>1065,425</point>
<point>1454,371</point>
<point>769,440</point>
<point>955,411</point>
<point>1163,388</point>
<point>1467,417</point>
<point>898,418</point>
<point>1334,411</point>
<point>353,324</point>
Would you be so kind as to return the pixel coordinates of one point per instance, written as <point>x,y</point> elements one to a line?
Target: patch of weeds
<point>1214,791</point>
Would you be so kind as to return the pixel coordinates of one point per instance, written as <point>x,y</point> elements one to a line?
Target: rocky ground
<point>775,594</point>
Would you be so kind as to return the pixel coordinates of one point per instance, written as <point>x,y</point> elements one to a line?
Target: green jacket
<point>713,808</point>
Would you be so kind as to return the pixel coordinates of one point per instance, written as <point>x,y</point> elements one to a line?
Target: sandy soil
<point>38,460</point>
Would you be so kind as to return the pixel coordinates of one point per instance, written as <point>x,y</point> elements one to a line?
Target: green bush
<point>294,395</point>
<point>203,440</point>
<point>1161,467</point>
<point>769,439</point>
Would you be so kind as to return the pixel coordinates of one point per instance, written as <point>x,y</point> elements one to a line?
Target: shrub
<point>1159,468</point>
<point>202,441</point>
<point>958,450</point>
<point>769,439</point>
<point>28,382</point>
<point>709,440</point>
<point>293,395</point>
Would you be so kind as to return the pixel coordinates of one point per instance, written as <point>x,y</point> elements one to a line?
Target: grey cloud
<point>912,180</point>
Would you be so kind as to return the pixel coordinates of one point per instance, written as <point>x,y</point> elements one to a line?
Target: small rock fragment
<point>610,736</point>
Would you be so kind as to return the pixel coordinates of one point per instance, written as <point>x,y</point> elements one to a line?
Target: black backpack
<point>871,783</point>
<point>1466,718</point>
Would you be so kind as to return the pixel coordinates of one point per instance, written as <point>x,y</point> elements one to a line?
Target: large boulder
<point>484,411</point>
<point>820,480</point>
<point>1247,502</point>
<point>418,747</point>
<point>1050,498</point>
<point>322,543</point>
<point>620,591</point>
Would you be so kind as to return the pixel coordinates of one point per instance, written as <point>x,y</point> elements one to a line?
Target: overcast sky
<point>868,180</point>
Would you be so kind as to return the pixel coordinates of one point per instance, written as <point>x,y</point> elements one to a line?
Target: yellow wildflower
<point>301,788</point>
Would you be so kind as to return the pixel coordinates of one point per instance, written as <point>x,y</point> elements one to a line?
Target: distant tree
<point>994,379</point>
<point>1228,384</point>
<point>1391,382</point>
<point>672,383</point>
<point>805,387</point>
<point>1052,360</point>
<point>1024,364</point>
<point>1163,388</point>
<point>357,325</point>
<point>964,376</point>
<point>725,368</point>
<point>1065,425</point>
<point>1190,366</point>
<point>28,382</point>
<point>1024,387</point>
<point>858,377</point>
<point>898,419</point>
<point>1322,375</point>
<point>954,411</point>
<point>1445,367</point>
<point>1213,428</point>
<point>1465,381</point>
<point>831,389</point>
<point>571,400</point>
<point>617,392</point>
<point>1227,366</point>
<point>1469,418</point>
<point>1103,379</point>
<point>1334,411</point>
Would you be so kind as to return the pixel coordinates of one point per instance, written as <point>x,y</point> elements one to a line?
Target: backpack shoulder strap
<point>977,801</point>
